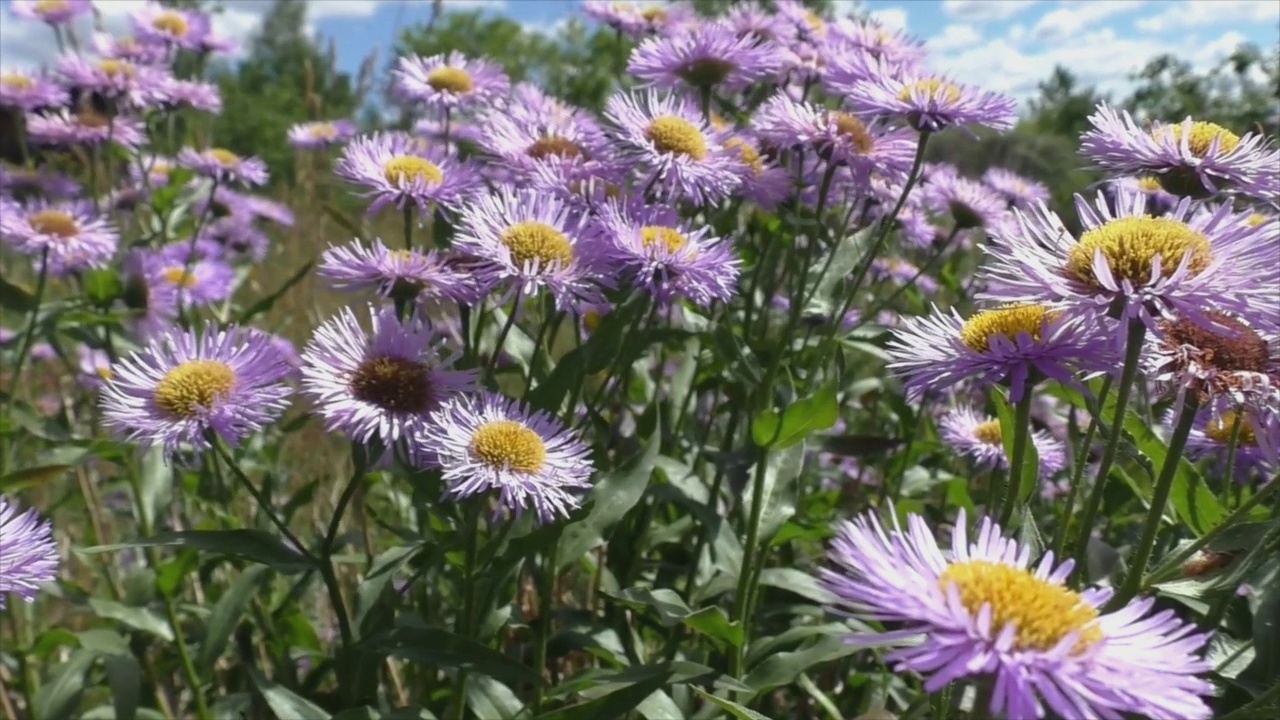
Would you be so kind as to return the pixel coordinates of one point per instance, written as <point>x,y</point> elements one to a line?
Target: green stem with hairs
<point>546,599</point>
<point>1077,475</point>
<point>1233,446</point>
<point>1022,435</point>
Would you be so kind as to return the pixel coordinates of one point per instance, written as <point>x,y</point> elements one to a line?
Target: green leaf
<point>103,286</point>
<point>803,418</point>
<point>256,545</point>
<point>783,668</point>
<point>156,486</point>
<point>283,702</point>
<point>440,648</point>
<point>1008,432</point>
<point>595,355</point>
<point>124,676</point>
<point>492,700</point>
<point>827,278</point>
<point>671,610</point>
<point>1192,500</point>
<point>60,699</point>
<point>31,477</point>
<point>1266,619</point>
<point>360,713</point>
<point>613,496</point>
<point>733,708</point>
<point>369,594</point>
<point>782,469</point>
<point>618,703</point>
<point>226,615</point>
<point>134,617</point>
<point>268,302</point>
<point>15,298</point>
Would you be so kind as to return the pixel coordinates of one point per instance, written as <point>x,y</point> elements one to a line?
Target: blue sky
<point>1007,45</point>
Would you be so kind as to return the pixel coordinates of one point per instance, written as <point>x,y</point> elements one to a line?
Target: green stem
<point>1129,373</point>
<point>1164,484</point>
<point>1233,444</point>
<point>1022,433</point>
<point>408,226</point>
<point>546,591</point>
<point>502,336</point>
<point>263,503</point>
<point>1077,475</point>
<point>184,654</point>
<point>745,575</point>
<point>1253,708</point>
<point>28,335</point>
<point>467,620</point>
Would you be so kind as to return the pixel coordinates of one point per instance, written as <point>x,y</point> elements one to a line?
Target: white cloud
<point>984,10</point>
<point>954,37</point>
<point>1069,20</point>
<point>894,18</point>
<point>1199,13</point>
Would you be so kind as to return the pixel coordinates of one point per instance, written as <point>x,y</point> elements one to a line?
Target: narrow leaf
<point>256,545</point>
<point>440,648</point>
<point>226,615</point>
<point>283,702</point>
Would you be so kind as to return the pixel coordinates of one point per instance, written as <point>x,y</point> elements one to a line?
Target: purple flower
<point>652,248</point>
<point>1210,440</point>
<point>971,204</point>
<point>160,25</point>
<point>568,144</point>
<point>170,93</point>
<point>979,437</point>
<point>53,12</point>
<point>763,182</point>
<point>870,37</point>
<point>1224,361</point>
<point>196,280</point>
<point>94,366</point>
<point>397,169</point>
<point>489,443</point>
<point>315,135</point>
<point>87,128</point>
<point>449,81</point>
<point>638,20</point>
<point>234,237</point>
<point>114,79</point>
<point>127,48</point>
<point>30,92</point>
<point>152,170</point>
<point>406,274</point>
<point>1017,190</point>
<point>1136,266</point>
<point>526,241</point>
<point>74,237</point>
<point>224,166</point>
<point>266,209</point>
<point>929,103</point>
<point>703,56</point>
<point>676,153</point>
<point>902,272</point>
<point>19,182</point>
<point>379,384</point>
<point>984,610</point>
<point>1159,201</point>
<point>183,385</point>
<point>28,553</point>
<point>1191,159</point>
<point>837,137</point>
<point>157,300</point>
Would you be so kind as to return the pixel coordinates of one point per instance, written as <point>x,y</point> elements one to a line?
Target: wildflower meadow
<point>722,395</point>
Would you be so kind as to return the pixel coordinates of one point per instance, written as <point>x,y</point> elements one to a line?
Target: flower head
<point>196,280</point>
<point>979,437</point>
<point>395,273</point>
<point>929,103</point>
<point>94,366</point>
<point>703,56</point>
<point>449,81</point>
<point>398,169</point>
<point>184,385</point>
<point>1221,359</point>
<point>19,183</point>
<point>1017,190</point>
<point>30,92</point>
<point>638,20</point>
<point>315,135</point>
<point>838,137</point>
<point>168,26</point>
<point>1211,434</point>
<point>487,442</point>
<point>28,554</point>
<point>984,610</point>
<point>224,166</point>
<point>74,237</point>
<point>567,143</point>
<point>84,128</point>
<point>971,204</point>
<point>53,12</point>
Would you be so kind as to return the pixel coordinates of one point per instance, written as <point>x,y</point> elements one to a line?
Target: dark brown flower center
<point>394,383</point>
<point>1229,345</point>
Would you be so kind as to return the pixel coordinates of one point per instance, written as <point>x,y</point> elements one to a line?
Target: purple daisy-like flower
<point>154,301</point>
<point>984,610</point>
<point>487,443</point>
<point>970,204</point>
<point>397,169</point>
<point>1159,201</point>
<point>979,437</point>
<point>654,249</point>
<point>526,241</point>
<point>837,137</point>
<point>111,78</point>
<point>30,92</point>
<point>316,135</point>
<point>19,183</point>
<point>1210,440</point>
<point>128,48</point>
<point>86,128</point>
<point>395,273</point>
<point>28,553</point>
<point>763,181</point>
<point>1016,189</point>
<point>703,56</point>
<point>161,25</point>
<point>94,366</point>
<point>383,383</point>
<point>1002,344</point>
<point>449,81</point>
<point>568,143</point>
<point>1135,266</point>
<point>74,237</point>
<point>1190,158</point>
<point>151,170</point>
<point>170,93</point>
<point>266,209</point>
<point>224,166</point>
<point>929,103</point>
<point>183,385</point>
<point>638,20</point>
<point>53,12</point>
<point>676,153</point>
<point>195,280</point>
<point>865,35</point>
<point>234,237</point>
<point>752,20</point>
<point>1224,361</point>
<point>901,272</point>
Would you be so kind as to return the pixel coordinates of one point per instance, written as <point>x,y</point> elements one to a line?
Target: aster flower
<point>449,81</point>
<point>872,38</point>
<point>979,438</point>
<point>652,248</point>
<point>224,166</point>
<point>75,238</point>
<point>983,610</point>
<point>568,143</point>
<point>170,93</point>
<point>84,128</point>
<point>1210,440</point>
<point>489,443</point>
<point>151,170</point>
<point>18,182</point>
<point>527,241</point>
<point>315,135</point>
<point>196,280</point>
<point>155,301</point>
<point>397,169</point>
<point>638,20</point>
<point>53,12</point>
<point>929,103</point>
<point>1136,266</point>
<point>266,209</point>
<point>751,20</point>
<point>676,153</point>
<point>703,56</point>
<point>1224,361</point>
<point>837,137</point>
<point>234,237</point>
<point>28,554</point>
<point>1190,158</point>
<point>160,25</point>
<point>127,48</point>
<point>1159,201</point>
<point>183,385</point>
<point>1016,189</point>
<point>379,384</point>
<point>1002,344</point>
<point>94,366</point>
<point>810,27</point>
<point>763,182</point>
<point>971,204</point>
<point>395,273</point>
<point>902,272</point>
<point>30,92</point>
<point>111,78</point>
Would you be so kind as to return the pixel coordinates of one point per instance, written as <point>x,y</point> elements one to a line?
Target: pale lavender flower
<point>28,553</point>
<point>638,20</point>
<point>901,272</point>
<point>224,166</point>
<point>111,78</point>
<point>170,93</point>
<point>984,611</point>
<point>971,204</point>
<point>75,238</point>
<point>1159,201</point>
<point>94,366</point>
<point>703,56</point>
<point>1017,190</point>
<point>567,142</point>
<point>1210,440</point>
<point>763,181</point>
<point>448,82</point>
<point>196,281</point>
<point>234,237</point>
<point>30,92</point>
<point>929,104</point>
<point>979,437</point>
<point>53,12</point>
<point>402,274</point>
<point>868,36</point>
<point>86,128</point>
<point>127,48</point>
<point>315,135</point>
<point>152,170</point>
<point>840,138</point>
<point>169,26</point>
<point>156,300</point>
<point>262,208</point>
<point>398,170</point>
<point>19,183</point>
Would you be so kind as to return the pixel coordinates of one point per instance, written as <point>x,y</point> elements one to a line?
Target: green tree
<point>1240,93</point>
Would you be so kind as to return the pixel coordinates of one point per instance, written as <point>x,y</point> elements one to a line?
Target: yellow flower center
<point>654,14</point>
<point>104,372</point>
<point>718,122</point>
<point>1042,612</point>
<point>671,134</point>
<point>815,22</point>
<point>225,158</point>
<point>178,275</point>
<point>323,131</point>
<point>933,89</point>
<point>591,320</point>
<point>50,7</point>
<point>394,383</point>
<point>1149,184</point>
<point>750,156</point>
<point>1221,428</point>
<point>1257,220</point>
<point>1202,136</point>
<point>989,433</point>
<point>509,444</point>
<point>17,81</point>
<point>1130,246</point>
<point>192,386</point>
<point>535,241</point>
<point>553,146</point>
<point>451,80</point>
<point>651,235</point>
<point>402,170</point>
<point>854,129</point>
<point>171,23</point>
<point>117,68</point>
<point>1007,321</point>
<point>53,222</point>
